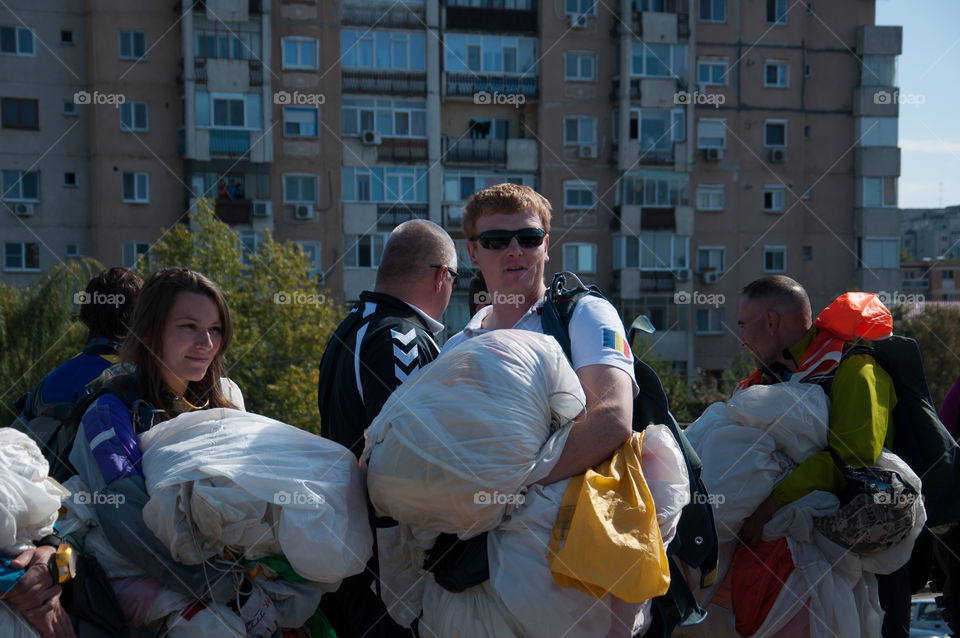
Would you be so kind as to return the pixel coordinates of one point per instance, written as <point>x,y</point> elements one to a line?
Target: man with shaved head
<point>388,335</point>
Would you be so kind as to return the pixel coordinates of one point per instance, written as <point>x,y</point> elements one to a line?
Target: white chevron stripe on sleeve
<point>405,357</point>
<point>404,339</point>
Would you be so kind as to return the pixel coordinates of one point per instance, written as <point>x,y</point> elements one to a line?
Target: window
<point>876,131</point>
<point>136,188</point>
<point>584,7</point>
<point>389,184</point>
<point>363,251</point>
<point>775,133</point>
<point>713,11</point>
<point>133,116</point>
<point>777,11</point>
<point>299,53</point>
<point>134,249</point>
<point>382,50</point>
<point>807,253</point>
<point>712,133</point>
<point>491,54</point>
<point>710,197</point>
<point>20,256</point>
<point>390,118</point>
<point>17,41</point>
<point>299,189</point>
<point>712,72</point>
<point>229,110</point>
<point>709,321</point>
<point>774,259</point>
<point>655,189</point>
<point>773,198</point>
<point>656,129</point>
<point>20,113</point>
<point>19,186</point>
<point>312,250</point>
<point>655,251</point>
<point>776,74</point>
<point>238,43</point>
<point>579,130</point>
<point>880,252</point>
<point>947,274</point>
<point>579,195</point>
<point>879,70</point>
<point>458,185</point>
<point>880,192</point>
<point>66,37</point>
<point>579,257</point>
<point>299,122</point>
<point>711,258</point>
<point>69,107</point>
<point>580,66</point>
<point>70,180</point>
<point>72,250</point>
<point>133,45</point>
<point>658,60</point>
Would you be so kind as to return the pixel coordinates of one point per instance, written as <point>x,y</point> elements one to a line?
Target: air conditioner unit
<point>588,151</point>
<point>713,154</point>
<point>262,208</point>
<point>303,211</point>
<point>371,138</point>
<point>24,210</point>
<point>577,20</point>
<point>683,274</point>
<point>711,277</point>
<point>778,155</point>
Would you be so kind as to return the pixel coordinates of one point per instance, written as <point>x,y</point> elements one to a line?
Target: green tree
<point>282,320</point>
<point>937,331</point>
<point>38,330</point>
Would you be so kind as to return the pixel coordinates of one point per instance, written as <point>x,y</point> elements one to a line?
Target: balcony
<point>391,215</point>
<point>256,73</point>
<point>473,151</point>
<point>402,150</point>
<point>493,17</point>
<point>509,86</point>
<point>388,14</point>
<point>233,211</point>
<point>396,83</point>
<point>200,70</point>
<point>226,142</point>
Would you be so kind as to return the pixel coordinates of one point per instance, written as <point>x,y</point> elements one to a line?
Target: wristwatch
<point>63,564</point>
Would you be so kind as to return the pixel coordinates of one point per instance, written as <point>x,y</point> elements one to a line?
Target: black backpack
<point>696,542</point>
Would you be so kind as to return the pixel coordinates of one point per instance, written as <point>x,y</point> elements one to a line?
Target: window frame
<point>779,18</point>
<point>351,248</point>
<point>25,254</point>
<point>579,186</point>
<point>138,198</point>
<point>580,245</point>
<point>131,33</point>
<point>316,266</point>
<point>780,65</point>
<point>580,55</point>
<point>713,5</point>
<point>882,240</point>
<point>712,120</point>
<point>298,64</point>
<point>299,202</point>
<point>775,122</point>
<point>16,42</point>
<point>711,314</point>
<point>709,250</point>
<point>710,191</point>
<point>20,102</point>
<point>774,190</point>
<point>300,134</point>
<point>712,62</point>
<point>773,250</point>
<point>591,7</point>
<point>883,192</point>
<point>131,107</point>
<point>19,197</point>
<point>135,248</point>
<point>580,119</point>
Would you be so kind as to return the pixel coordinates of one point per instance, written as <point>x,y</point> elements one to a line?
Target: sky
<point>929,77</point>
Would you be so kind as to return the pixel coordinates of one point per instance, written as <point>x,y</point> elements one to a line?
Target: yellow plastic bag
<point>607,526</point>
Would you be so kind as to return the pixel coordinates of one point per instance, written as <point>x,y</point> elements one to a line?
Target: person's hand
<point>36,596</point>
<point>752,531</point>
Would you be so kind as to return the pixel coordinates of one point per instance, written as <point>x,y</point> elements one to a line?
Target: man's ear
<point>772,320</point>
<point>472,251</point>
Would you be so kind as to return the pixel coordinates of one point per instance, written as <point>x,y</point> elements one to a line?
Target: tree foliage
<point>937,331</point>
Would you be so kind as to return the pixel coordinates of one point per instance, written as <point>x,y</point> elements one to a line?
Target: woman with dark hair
<point>173,362</point>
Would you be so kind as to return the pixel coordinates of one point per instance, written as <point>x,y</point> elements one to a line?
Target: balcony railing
<point>200,70</point>
<point>655,156</point>
<point>391,215</point>
<point>256,73</point>
<point>229,142</point>
<point>467,84</point>
<point>657,281</point>
<point>402,150</point>
<point>471,151</point>
<point>390,14</point>
<point>398,83</point>
<point>233,211</point>
<point>493,17</point>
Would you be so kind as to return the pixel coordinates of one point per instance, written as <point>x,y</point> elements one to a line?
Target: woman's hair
<point>143,347</point>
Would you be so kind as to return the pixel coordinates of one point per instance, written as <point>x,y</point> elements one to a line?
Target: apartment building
<point>931,233</point>
<point>687,146</point>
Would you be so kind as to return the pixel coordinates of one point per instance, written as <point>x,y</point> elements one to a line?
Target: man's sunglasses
<point>500,239</point>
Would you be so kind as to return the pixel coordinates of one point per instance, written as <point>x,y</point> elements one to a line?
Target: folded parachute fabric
<point>607,526</point>
<point>229,479</point>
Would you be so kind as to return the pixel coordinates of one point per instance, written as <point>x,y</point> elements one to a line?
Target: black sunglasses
<point>453,273</point>
<point>500,239</point>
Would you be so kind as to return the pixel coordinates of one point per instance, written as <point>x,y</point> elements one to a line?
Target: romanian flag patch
<point>615,341</point>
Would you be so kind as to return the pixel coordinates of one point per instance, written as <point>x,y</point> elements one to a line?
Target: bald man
<point>388,335</point>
